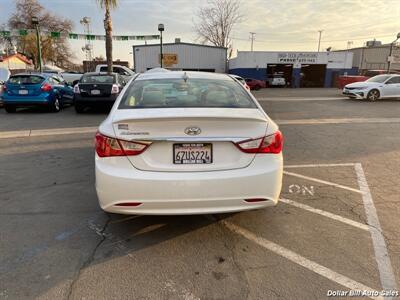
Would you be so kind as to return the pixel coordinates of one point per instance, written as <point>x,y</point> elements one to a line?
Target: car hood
<point>362,84</point>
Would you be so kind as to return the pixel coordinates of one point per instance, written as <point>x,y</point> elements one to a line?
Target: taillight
<point>76,89</point>
<point>269,144</point>
<point>114,89</point>
<point>107,146</point>
<point>46,87</point>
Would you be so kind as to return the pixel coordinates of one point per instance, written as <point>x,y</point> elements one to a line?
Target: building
<point>300,69</point>
<point>180,56</point>
<point>374,56</point>
<point>16,63</point>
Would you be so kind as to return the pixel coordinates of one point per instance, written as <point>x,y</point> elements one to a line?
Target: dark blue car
<point>38,89</point>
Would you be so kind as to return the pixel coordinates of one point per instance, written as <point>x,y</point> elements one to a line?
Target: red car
<point>255,84</point>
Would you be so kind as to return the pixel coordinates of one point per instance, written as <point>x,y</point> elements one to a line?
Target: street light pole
<point>319,39</point>
<point>161,29</point>
<point>35,22</point>
<point>391,50</point>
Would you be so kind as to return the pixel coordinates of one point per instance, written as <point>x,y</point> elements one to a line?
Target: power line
<point>313,41</point>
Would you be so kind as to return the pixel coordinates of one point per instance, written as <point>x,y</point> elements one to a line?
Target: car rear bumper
<point>174,193</point>
<point>106,100</point>
<point>26,100</point>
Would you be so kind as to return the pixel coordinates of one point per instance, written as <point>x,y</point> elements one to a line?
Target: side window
<point>394,80</point>
<point>120,71</point>
<point>103,69</point>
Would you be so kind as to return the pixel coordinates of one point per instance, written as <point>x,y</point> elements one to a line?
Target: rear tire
<point>56,105</point>
<point>373,95</point>
<point>10,109</point>
<point>79,108</point>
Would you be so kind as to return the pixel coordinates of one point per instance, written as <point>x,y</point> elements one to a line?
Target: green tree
<point>107,5</point>
<point>55,50</point>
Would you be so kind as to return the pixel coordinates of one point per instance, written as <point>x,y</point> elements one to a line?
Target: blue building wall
<point>261,74</point>
<point>296,77</point>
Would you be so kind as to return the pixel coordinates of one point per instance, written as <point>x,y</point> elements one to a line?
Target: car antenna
<point>185,77</point>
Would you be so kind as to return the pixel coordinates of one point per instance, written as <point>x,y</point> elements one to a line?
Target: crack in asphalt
<point>90,258</point>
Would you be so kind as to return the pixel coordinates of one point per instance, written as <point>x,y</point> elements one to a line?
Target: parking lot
<point>335,229</point>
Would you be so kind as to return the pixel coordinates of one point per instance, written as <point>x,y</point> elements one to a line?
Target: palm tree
<point>108,5</point>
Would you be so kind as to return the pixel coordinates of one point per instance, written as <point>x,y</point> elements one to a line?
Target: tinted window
<point>97,79</point>
<point>190,93</point>
<point>394,80</point>
<point>26,79</point>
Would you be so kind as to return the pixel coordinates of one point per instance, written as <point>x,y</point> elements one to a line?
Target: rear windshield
<point>97,79</point>
<point>164,93</point>
<point>26,79</point>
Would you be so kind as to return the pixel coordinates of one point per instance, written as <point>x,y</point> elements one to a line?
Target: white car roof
<point>180,74</point>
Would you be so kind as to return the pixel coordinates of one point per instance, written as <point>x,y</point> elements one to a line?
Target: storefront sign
<point>170,59</point>
<point>297,58</point>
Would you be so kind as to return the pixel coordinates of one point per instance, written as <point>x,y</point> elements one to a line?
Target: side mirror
<point>2,82</point>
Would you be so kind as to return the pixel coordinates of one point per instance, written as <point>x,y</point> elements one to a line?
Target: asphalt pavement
<point>335,229</point>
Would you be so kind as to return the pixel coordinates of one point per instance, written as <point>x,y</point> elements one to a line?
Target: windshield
<point>379,78</point>
<point>97,79</point>
<point>26,79</point>
<point>159,93</point>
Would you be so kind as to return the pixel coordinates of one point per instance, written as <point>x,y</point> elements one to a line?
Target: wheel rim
<point>57,104</point>
<point>374,95</point>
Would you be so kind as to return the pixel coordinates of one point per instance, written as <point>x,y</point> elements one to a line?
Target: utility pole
<point>252,40</point>
<point>35,22</point>
<point>391,51</point>
<point>319,39</point>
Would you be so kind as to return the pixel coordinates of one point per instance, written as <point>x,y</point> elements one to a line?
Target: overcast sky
<point>288,25</point>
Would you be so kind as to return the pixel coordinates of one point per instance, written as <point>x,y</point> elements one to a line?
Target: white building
<point>180,56</point>
<point>300,69</point>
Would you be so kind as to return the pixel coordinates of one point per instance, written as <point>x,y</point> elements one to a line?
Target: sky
<point>280,25</point>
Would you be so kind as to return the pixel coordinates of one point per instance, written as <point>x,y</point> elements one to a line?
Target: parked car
<point>377,87</point>
<point>241,80</point>
<point>121,70</point>
<point>276,80</point>
<point>36,89</point>
<point>255,84</point>
<point>187,143</point>
<point>97,89</point>
<point>4,75</point>
<point>347,79</point>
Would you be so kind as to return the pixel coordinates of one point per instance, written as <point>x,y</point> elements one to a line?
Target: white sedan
<point>377,87</point>
<point>187,143</point>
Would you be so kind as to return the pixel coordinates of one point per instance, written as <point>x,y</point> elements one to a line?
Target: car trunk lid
<point>170,131</point>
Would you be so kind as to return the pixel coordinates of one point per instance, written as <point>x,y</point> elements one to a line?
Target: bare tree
<point>215,21</point>
<point>54,50</point>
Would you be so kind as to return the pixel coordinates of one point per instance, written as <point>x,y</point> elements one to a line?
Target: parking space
<point>335,228</point>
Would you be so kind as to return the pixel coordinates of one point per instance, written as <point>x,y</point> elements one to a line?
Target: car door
<point>391,87</point>
<point>67,91</point>
<point>64,90</point>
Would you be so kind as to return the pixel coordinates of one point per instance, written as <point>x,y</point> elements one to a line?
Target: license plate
<point>95,92</point>
<point>23,92</point>
<point>193,153</point>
